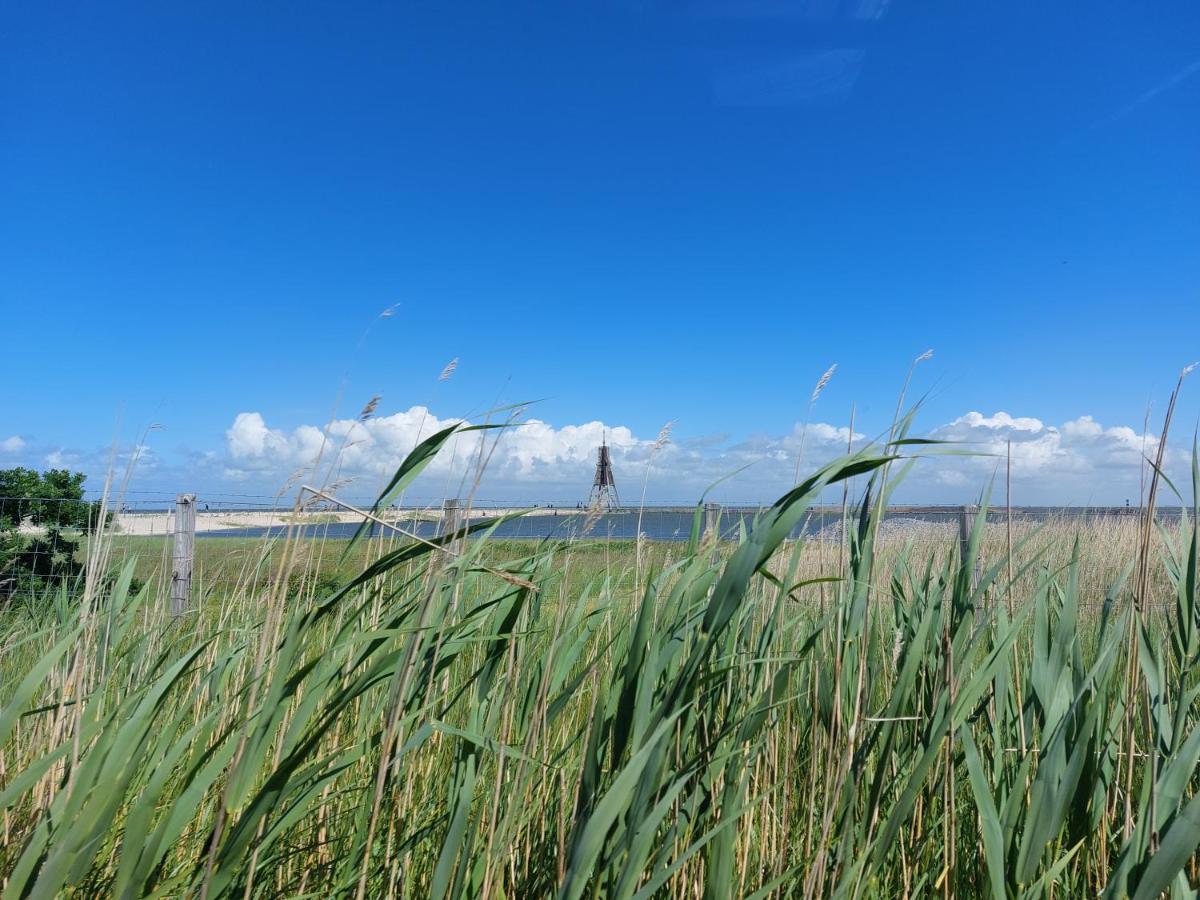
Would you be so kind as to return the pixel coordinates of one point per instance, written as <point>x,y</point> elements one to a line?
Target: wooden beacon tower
<point>604,486</point>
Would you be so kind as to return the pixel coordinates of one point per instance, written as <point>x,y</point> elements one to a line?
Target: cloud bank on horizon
<point>1080,461</point>
<point>1077,462</point>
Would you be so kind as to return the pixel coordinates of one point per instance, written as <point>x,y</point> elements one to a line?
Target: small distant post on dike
<point>183,555</point>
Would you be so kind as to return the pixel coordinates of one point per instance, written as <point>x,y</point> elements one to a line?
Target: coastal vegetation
<point>43,518</point>
<point>884,714</point>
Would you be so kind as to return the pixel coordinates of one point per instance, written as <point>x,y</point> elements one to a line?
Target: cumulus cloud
<point>1080,445</point>
<point>533,459</point>
<point>531,452</point>
<point>1078,461</point>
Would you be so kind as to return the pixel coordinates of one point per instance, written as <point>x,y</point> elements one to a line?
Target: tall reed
<point>482,723</point>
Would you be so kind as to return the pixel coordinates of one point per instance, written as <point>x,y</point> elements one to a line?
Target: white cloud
<point>1079,445</point>
<point>98,462</point>
<point>1079,461</point>
<point>374,446</point>
<point>1084,426</point>
<point>1000,420</point>
<point>535,460</point>
<point>532,452</point>
<point>248,434</point>
<point>14,444</point>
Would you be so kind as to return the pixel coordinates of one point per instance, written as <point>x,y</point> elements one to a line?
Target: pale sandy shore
<point>160,523</point>
<point>144,524</point>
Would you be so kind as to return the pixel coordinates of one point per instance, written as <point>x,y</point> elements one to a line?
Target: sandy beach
<point>146,524</point>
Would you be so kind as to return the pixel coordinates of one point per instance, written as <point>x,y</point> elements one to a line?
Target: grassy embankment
<point>584,719</point>
<point>224,565</point>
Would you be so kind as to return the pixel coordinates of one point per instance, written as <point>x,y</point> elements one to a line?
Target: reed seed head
<point>664,436</point>
<point>824,380</point>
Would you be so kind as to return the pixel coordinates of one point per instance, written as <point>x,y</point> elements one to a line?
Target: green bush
<point>42,517</point>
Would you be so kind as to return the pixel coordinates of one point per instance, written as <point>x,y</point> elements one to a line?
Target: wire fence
<point>256,516</point>
<point>43,541</point>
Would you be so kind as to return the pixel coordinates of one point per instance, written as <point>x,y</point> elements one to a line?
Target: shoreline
<point>150,524</point>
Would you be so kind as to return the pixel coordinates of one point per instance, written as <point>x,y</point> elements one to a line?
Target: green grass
<point>598,719</point>
<point>224,565</point>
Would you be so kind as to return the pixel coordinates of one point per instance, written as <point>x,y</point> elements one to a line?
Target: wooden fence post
<point>184,551</point>
<point>712,528</point>
<point>712,519</point>
<point>966,519</point>
<point>451,522</point>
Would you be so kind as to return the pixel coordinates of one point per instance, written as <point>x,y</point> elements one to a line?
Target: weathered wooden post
<point>452,514</point>
<point>184,551</point>
<point>966,519</point>
<point>712,527</point>
<point>712,519</point>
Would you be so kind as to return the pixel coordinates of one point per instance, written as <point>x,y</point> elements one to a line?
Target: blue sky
<point>633,212</point>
